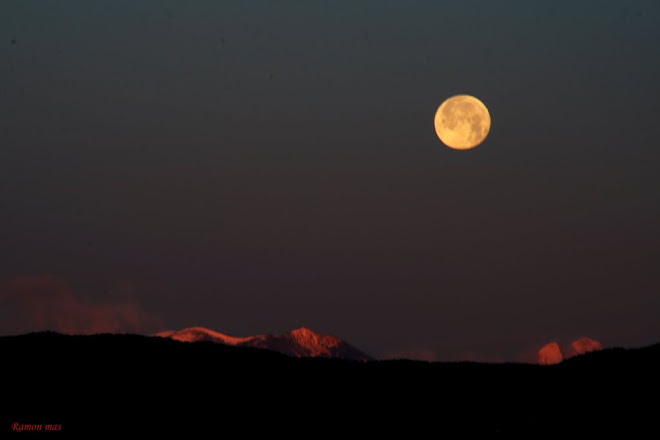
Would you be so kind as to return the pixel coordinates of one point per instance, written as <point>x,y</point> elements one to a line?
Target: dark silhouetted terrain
<point>130,385</point>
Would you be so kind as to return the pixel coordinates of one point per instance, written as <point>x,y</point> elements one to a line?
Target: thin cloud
<point>37,303</point>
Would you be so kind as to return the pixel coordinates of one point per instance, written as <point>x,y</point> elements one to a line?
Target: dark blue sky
<point>257,166</point>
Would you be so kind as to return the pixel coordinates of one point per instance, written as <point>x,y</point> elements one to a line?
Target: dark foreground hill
<point>131,386</point>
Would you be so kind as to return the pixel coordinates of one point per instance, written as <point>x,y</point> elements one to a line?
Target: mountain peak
<point>303,333</point>
<point>315,343</point>
<point>194,334</point>
<point>301,342</point>
<point>303,330</point>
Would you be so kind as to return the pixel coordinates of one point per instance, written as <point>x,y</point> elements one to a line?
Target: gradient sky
<point>256,166</point>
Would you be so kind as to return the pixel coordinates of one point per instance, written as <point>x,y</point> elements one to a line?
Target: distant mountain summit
<point>301,342</point>
<point>194,334</point>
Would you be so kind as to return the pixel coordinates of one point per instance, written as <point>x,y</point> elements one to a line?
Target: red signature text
<point>20,427</point>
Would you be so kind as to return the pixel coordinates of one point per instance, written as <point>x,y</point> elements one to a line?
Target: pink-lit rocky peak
<point>584,345</point>
<point>301,342</point>
<point>551,353</point>
<point>317,344</point>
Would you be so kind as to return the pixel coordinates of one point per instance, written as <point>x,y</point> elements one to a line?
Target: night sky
<point>257,166</point>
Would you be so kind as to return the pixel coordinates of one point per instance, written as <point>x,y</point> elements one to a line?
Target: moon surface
<point>462,122</point>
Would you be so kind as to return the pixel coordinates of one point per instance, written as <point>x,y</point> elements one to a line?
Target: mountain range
<point>301,342</point>
<point>131,385</point>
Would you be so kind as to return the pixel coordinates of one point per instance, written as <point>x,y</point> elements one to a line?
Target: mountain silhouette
<point>301,342</point>
<point>129,385</point>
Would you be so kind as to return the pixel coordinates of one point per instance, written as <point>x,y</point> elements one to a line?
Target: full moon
<point>462,122</point>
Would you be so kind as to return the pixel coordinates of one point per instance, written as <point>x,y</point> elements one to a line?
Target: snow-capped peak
<point>194,334</point>
<point>301,342</point>
<point>317,344</point>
